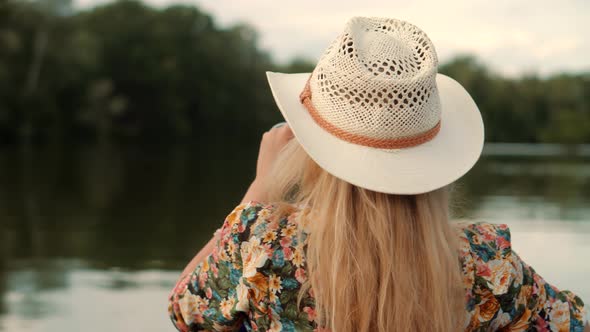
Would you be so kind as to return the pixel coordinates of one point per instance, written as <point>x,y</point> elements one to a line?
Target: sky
<point>511,36</point>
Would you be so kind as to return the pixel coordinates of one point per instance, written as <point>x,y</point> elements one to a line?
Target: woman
<point>346,226</point>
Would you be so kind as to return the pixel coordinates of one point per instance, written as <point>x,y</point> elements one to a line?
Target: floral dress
<point>252,279</point>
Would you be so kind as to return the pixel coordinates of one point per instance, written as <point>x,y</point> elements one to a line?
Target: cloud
<point>512,36</point>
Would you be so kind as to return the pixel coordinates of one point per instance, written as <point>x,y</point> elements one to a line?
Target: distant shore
<point>536,150</point>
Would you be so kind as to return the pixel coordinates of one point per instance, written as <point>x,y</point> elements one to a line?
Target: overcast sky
<point>511,36</point>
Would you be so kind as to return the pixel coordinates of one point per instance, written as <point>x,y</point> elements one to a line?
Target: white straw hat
<point>375,113</point>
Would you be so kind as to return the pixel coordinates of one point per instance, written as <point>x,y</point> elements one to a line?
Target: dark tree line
<point>554,109</point>
<point>129,71</point>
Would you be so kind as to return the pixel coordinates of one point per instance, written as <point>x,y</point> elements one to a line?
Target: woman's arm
<point>204,252</point>
<point>270,146</point>
<point>254,193</point>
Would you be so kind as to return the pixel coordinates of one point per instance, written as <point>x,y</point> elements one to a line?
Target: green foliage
<point>528,109</point>
<point>129,71</point>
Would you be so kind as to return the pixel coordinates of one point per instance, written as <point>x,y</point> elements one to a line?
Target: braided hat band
<point>395,143</point>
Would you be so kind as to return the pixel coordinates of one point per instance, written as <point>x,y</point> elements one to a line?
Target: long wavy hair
<point>377,262</point>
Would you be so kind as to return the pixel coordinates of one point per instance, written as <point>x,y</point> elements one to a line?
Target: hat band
<point>395,143</point>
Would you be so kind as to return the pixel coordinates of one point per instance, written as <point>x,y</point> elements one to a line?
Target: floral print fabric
<point>253,277</point>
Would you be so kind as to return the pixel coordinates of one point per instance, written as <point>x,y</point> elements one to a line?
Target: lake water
<point>93,238</point>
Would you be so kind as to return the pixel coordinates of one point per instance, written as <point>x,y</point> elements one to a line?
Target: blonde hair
<point>377,262</point>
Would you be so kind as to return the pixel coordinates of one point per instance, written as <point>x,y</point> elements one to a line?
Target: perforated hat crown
<point>375,85</point>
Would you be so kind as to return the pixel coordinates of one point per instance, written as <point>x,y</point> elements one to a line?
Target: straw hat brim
<point>423,168</point>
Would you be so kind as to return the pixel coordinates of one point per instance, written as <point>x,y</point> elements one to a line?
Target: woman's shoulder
<point>503,291</point>
<point>264,211</point>
<point>263,220</point>
<point>486,256</point>
<point>485,240</point>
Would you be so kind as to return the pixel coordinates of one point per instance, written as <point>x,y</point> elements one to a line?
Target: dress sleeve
<point>214,297</point>
<point>509,294</point>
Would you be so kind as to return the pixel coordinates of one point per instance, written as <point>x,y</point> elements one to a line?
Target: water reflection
<point>545,188</point>
<point>119,206</point>
<point>112,225</point>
